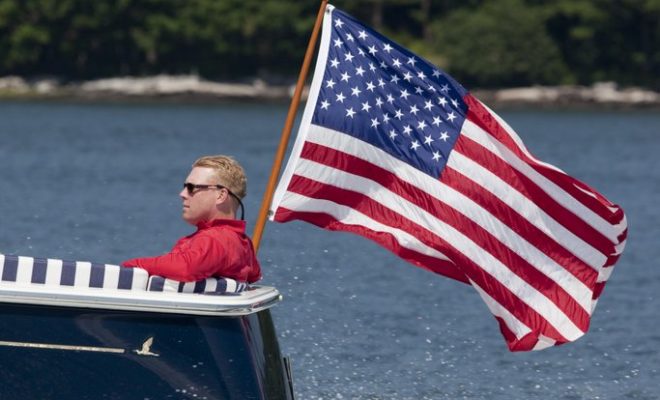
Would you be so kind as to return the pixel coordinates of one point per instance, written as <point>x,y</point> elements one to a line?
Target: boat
<point>82,330</point>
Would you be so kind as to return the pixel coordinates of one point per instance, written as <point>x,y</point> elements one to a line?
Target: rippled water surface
<point>100,182</point>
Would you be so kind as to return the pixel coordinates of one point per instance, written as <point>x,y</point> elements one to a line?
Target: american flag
<point>392,148</point>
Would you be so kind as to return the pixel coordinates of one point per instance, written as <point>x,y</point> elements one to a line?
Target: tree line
<point>482,43</point>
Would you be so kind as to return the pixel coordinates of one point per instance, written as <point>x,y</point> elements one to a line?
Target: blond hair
<point>228,171</point>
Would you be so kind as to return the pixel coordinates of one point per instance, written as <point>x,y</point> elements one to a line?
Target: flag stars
<point>373,50</point>
<point>414,145</point>
<point>421,125</point>
<point>436,156</point>
<point>454,103</point>
<point>383,65</point>
<point>386,118</point>
<point>444,136</point>
<point>398,114</point>
<point>379,102</point>
<point>345,76</point>
<point>374,123</point>
<point>330,83</point>
<point>451,116</point>
<point>370,86</point>
<point>444,88</point>
<point>362,35</point>
<point>349,37</point>
<point>372,67</point>
<point>338,42</point>
<point>355,91</point>
<point>339,23</point>
<point>407,130</point>
<point>341,97</point>
<point>395,79</point>
<point>390,98</point>
<point>393,134</point>
<point>428,105</point>
<point>359,71</point>
<point>413,109</point>
<point>436,121</point>
<point>421,75</point>
<point>435,73</point>
<point>407,76</point>
<point>428,140</point>
<point>381,82</point>
<point>404,94</point>
<point>325,105</point>
<point>411,61</point>
<point>419,90</point>
<point>396,63</point>
<point>334,63</point>
<point>442,101</point>
<point>365,106</point>
<point>348,57</point>
<point>361,52</point>
<point>387,47</point>
<point>350,113</point>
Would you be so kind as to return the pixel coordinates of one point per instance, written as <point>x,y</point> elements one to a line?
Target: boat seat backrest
<point>43,272</point>
<point>76,274</point>
<point>208,285</point>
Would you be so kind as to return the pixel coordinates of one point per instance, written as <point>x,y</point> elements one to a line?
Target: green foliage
<point>482,43</point>
<point>502,43</point>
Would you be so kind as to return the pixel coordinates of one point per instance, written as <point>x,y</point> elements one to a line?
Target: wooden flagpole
<point>286,131</point>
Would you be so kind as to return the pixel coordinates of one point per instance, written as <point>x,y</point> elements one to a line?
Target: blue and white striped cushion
<point>78,274</point>
<point>208,285</point>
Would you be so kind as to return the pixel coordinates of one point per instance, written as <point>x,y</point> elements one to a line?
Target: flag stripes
<point>461,197</point>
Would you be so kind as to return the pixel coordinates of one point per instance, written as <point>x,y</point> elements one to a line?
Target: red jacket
<point>219,248</point>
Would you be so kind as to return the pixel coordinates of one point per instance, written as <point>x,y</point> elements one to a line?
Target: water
<point>100,182</point>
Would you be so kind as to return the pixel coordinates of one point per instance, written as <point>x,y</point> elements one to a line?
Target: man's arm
<point>197,260</point>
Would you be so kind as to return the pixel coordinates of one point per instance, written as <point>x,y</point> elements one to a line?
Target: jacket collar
<point>232,224</point>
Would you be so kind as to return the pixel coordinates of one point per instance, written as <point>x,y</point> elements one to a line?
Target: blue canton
<point>377,91</point>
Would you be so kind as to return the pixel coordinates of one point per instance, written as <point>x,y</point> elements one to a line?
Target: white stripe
<point>527,209</point>
<point>24,269</point>
<point>231,285</point>
<point>605,274</point>
<point>350,216</point>
<point>188,287</point>
<point>482,137</point>
<point>140,279</point>
<point>53,272</point>
<point>525,292</point>
<point>211,285</point>
<point>2,265</point>
<point>83,273</point>
<point>515,325</point>
<point>564,279</point>
<point>544,342</point>
<point>312,98</point>
<point>111,276</point>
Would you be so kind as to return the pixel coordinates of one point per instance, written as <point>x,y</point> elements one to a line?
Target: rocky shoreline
<point>193,88</point>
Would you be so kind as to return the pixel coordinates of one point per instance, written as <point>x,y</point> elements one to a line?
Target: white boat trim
<point>255,299</point>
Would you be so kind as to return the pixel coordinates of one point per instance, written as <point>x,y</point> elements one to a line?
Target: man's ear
<point>223,196</point>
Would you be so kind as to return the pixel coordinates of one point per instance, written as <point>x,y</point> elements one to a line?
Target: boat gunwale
<point>253,300</point>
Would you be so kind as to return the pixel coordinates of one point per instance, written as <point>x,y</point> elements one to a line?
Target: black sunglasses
<point>191,188</point>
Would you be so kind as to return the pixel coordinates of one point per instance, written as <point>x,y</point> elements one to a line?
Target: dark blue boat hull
<point>75,353</point>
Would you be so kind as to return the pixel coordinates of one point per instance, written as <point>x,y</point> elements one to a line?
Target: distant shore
<point>194,88</point>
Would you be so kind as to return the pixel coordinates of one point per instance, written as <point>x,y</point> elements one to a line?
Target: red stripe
<point>498,292</point>
<point>510,217</point>
<point>386,240</point>
<point>440,210</point>
<point>534,193</point>
<point>479,115</point>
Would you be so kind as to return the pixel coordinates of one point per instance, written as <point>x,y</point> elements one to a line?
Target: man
<point>211,195</point>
